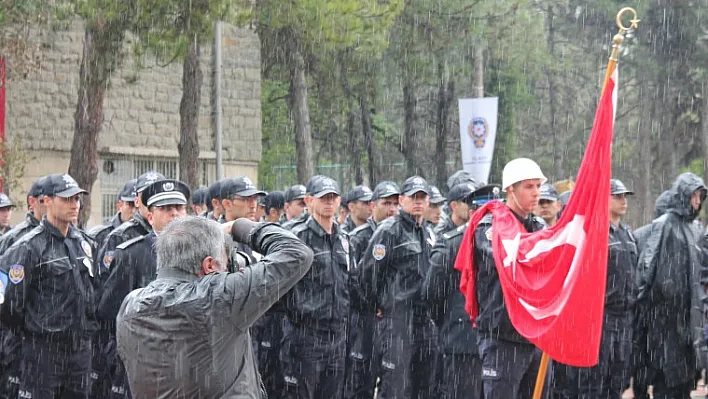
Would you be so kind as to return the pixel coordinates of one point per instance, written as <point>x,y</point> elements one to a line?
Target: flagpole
<point>611,65</point>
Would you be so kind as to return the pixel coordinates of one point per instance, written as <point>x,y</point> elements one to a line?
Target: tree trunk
<point>301,116</point>
<point>354,147</point>
<point>445,96</point>
<point>478,73</point>
<point>704,137</point>
<point>88,117</point>
<point>188,146</point>
<point>558,149</point>
<point>646,125</point>
<point>408,141</point>
<point>368,139</point>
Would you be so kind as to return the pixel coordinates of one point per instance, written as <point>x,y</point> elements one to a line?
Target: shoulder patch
<point>3,285</point>
<point>130,242</point>
<point>16,273</point>
<point>488,234</point>
<point>108,258</point>
<point>379,251</point>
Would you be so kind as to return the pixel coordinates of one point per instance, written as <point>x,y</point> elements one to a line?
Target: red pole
<point>3,83</point>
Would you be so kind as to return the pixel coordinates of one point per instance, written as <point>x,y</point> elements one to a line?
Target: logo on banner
<point>478,130</point>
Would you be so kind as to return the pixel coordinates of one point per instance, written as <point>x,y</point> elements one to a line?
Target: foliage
<point>166,27</point>
<point>19,44</point>
<point>13,169</point>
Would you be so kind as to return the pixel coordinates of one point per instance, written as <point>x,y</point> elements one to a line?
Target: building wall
<point>141,109</point>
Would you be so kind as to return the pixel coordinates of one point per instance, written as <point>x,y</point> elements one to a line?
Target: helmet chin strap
<point>518,206</point>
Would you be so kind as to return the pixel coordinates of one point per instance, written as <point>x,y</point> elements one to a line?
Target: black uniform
<point>361,376</point>
<point>461,373</point>
<point>510,362</point>
<point>104,348</point>
<point>49,296</point>
<point>134,266</point>
<point>100,233</point>
<point>610,376</point>
<point>10,343</point>
<point>670,293</point>
<point>17,232</point>
<point>314,346</point>
<point>392,270</point>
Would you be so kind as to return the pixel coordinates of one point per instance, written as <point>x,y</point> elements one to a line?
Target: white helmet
<point>521,169</point>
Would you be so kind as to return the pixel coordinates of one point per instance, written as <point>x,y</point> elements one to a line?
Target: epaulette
<point>97,230</point>
<point>455,232</point>
<point>30,235</point>
<point>358,229</point>
<point>130,242</point>
<point>540,221</point>
<point>298,227</point>
<point>487,219</point>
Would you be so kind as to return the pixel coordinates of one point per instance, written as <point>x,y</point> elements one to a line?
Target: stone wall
<point>141,108</point>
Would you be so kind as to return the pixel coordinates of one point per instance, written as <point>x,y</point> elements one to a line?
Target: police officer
<point>459,208</point>
<point>295,207</point>
<point>134,264</point>
<point>135,227</point>
<point>239,199</point>
<point>36,210</point>
<point>274,203</point>
<point>318,306</point>
<point>392,270</point>
<point>610,376</point>
<point>215,196</point>
<point>6,207</point>
<point>434,209</point>
<point>358,206</point>
<point>510,362</point>
<point>104,351</point>
<point>47,288</point>
<point>459,177</point>
<point>461,369</point>
<point>260,208</point>
<point>187,333</point>
<point>361,372</point>
<point>126,209</point>
<point>549,206</point>
<point>199,201</point>
<point>10,342</point>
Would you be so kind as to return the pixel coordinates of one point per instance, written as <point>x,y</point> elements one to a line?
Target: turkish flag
<point>553,280</point>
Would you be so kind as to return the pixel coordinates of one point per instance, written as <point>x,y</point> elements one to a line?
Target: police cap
<point>295,192</point>
<point>61,185</point>
<point>359,193</point>
<point>128,192</point>
<point>460,191</point>
<point>166,192</point>
<point>241,186</point>
<point>37,188</point>
<point>436,196</point>
<point>385,189</point>
<point>549,192</point>
<point>415,184</point>
<point>483,195</point>
<point>319,186</point>
<point>147,179</point>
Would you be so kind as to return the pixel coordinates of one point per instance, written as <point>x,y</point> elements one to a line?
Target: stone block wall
<point>141,109</point>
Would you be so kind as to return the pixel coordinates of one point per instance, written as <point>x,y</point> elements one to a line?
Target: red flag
<point>553,280</point>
